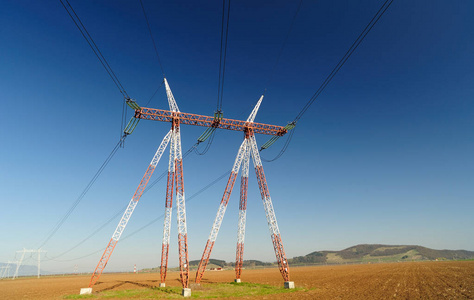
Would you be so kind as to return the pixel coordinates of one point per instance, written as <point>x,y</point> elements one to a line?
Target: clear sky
<point>383,156</point>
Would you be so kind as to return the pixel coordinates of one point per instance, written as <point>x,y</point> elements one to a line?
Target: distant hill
<point>364,253</point>
<point>224,264</point>
<point>380,253</point>
<point>215,262</point>
<point>25,270</point>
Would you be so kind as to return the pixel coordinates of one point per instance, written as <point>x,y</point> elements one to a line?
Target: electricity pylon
<point>175,182</point>
<point>247,148</point>
<point>23,252</point>
<point>176,164</point>
<point>5,272</point>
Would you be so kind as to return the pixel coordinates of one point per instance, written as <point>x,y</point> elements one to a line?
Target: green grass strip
<point>209,291</point>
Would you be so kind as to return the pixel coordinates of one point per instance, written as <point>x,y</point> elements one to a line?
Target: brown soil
<point>416,280</point>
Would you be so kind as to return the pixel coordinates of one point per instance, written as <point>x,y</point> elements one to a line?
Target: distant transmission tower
<point>5,270</point>
<point>23,252</point>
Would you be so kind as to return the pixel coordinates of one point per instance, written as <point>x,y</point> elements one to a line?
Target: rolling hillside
<point>25,270</point>
<point>364,253</point>
<point>380,253</point>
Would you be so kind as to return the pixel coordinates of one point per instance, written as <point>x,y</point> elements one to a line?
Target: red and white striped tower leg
<point>180,198</point>
<point>225,198</point>
<point>181,210</point>
<point>270,214</point>
<point>168,211</point>
<point>220,213</point>
<point>128,212</point>
<point>239,255</point>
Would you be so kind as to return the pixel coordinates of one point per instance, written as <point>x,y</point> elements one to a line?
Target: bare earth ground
<point>410,280</point>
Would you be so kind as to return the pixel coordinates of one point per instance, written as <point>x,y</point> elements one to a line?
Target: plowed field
<point>416,280</point>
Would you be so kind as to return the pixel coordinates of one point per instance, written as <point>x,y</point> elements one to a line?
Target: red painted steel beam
<point>155,114</point>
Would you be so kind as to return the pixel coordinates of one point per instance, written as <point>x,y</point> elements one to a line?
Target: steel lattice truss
<point>129,210</point>
<point>247,148</point>
<point>175,187</point>
<point>175,177</point>
<point>207,121</point>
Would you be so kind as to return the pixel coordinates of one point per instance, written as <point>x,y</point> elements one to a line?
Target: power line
<point>354,46</point>
<point>84,192</point>
<point>270,77</point>
<point>77,258</point>
<point>156,91</point>
<point>149,223</point>
<point>124,119</point>
<point>112,218</point>
<point>150,186</point>
<point>208,145</point>
<point>91,235</point>
<point>89,185</point>
<point>214,132</point>
<point>222,58</point>
<point>77,21</point>
<point>162,175</point>
<point>139,229</point>
<point>86,189</point>
<point>283,149</point>
<point>93,46</point>
<point>283,46</point>
<point>336,69</point>
<point>210,132</point>
<point>346,56</point>
<point>90,41</point>
<point>187,201</point>
<point>152,39</point>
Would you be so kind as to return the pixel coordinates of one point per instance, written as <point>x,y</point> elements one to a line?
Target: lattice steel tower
<point>247,148</point>
<point>175,176</point>
<point>175,186</point>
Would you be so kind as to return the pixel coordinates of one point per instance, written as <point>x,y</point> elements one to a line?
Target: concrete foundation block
<point>162,284</point>
<point>237,280</point>
<point>186,292</point>
<point>289,284</point>
<point>86,291</point>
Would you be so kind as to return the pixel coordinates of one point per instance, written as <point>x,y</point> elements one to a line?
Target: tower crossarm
<point>162,115</point>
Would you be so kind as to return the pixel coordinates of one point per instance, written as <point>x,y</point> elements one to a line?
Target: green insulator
<point>270,142</point>
<point>218,115</point>
<point>133,105</point>
<point>132,124</point>
<point>273,139</point>
<point>206,134</point>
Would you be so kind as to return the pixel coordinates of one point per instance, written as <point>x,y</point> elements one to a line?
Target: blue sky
<point>383,156</point>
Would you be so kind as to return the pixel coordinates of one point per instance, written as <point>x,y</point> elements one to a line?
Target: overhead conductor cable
<point>328,79</point>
